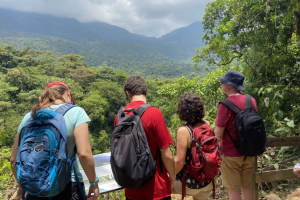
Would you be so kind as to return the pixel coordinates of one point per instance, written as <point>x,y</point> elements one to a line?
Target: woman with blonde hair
<point>55,95</point>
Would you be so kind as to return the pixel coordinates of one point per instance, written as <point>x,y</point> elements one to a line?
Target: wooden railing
<point>274,175</point>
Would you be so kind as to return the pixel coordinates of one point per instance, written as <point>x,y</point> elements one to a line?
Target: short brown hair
<point>135,85</point>
<point>190,108</point>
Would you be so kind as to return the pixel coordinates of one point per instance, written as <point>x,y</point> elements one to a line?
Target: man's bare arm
<point>219,131</point>
<point>168,160</point>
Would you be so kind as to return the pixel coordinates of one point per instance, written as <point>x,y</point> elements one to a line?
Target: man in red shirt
<point>235,169</point>
<point>159,187</point>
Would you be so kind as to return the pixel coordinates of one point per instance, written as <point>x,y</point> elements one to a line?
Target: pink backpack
<point>205,162</point>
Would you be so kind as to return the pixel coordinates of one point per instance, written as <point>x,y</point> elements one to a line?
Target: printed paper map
<point>107,182</point>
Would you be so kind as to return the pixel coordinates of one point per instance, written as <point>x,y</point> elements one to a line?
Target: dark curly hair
<point>190,108</point>
<point>135,85</point>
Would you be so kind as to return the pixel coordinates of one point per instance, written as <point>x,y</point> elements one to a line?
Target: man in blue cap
<point>236,171</point>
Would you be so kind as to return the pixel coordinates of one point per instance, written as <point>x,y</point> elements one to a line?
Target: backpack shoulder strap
<point>64,108</point>
<point>248,101</point>
<point>121,113</point>
<point>142,109</point>
<point>77,181</point>
<point>190,130</point>
<point>193,139</point>
<point>233,141</point>
<point>231,106</point>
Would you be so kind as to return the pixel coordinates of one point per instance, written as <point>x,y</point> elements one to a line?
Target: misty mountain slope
<point>102,49</point>
<point>133,59</point>
<point>100,42</point>
<point>109,32</point>
<point>190,34</point>
<point>179,44</point>
<point>65,28</point>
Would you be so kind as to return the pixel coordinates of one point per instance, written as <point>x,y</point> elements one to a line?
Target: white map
<point>107,182</point>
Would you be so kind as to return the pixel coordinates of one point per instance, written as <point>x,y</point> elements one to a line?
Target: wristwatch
<point>95,182</point>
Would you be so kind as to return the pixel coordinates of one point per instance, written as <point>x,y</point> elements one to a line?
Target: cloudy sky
<point>145,17</point>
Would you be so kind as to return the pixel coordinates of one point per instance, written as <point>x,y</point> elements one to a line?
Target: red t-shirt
<point>158,135</point>
<point>225,118</point>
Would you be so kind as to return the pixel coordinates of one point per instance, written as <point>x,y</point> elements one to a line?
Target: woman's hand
<point>93,189</point>
<point>297,172</point>
<point>19,194</point>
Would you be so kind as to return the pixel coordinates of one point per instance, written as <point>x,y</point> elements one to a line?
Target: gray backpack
<point>131,160</point>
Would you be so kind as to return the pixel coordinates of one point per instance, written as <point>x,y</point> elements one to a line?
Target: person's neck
<point>138,98</point>
<point>233,93</point>
<point>200,123</point>
<point>56,102</point>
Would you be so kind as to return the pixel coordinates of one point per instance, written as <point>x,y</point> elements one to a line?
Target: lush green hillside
<point>100,42</point>
<point>99,90</point>
<point>131,58</point>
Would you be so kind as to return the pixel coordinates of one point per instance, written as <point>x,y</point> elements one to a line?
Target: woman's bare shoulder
<point>183,131</point>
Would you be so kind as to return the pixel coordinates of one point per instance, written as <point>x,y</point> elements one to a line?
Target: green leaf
<point>285,129</point>
<point>291,123</point>
<point>286,119</point>
<point>267,103</point>
<point>280,113</point>
<point>269,89</point>
<point>276,166</point>
<point>295,162</point>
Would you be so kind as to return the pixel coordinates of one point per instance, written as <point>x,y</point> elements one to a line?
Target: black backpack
<point>131,160</point>
<point>252,139</point>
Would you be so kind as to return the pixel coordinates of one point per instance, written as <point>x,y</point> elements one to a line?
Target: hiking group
<point>50,136</point>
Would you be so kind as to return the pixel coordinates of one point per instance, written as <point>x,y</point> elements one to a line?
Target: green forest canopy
<point>258,38</point>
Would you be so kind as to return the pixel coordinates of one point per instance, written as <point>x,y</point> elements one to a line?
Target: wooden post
<point>283,141</point>
<point>254,184</point>
<point>274,175</point>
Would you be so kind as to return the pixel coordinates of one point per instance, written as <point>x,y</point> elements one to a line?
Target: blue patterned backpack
<point>43,163</point>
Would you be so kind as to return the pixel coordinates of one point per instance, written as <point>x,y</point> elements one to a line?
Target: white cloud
<point>145,17</point>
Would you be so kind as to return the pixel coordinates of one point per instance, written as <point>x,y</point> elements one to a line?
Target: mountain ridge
<point>101,41</point>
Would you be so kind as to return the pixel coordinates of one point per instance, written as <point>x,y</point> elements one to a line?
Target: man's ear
<point>127,94</point>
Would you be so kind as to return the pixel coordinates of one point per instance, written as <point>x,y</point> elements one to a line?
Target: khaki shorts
<point>236,172</point>
<point>202,193</point>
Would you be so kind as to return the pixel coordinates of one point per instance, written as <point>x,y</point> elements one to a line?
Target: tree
<point>258,38</point>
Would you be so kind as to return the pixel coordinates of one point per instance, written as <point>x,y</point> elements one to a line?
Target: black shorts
<point>71,192</point>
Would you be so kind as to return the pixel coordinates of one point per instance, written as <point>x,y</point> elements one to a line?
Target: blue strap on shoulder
<point>23,195</point>
<point>64,108</point>
<point>77,181</point>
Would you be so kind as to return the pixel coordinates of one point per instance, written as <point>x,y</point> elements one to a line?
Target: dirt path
<point>178,197</point>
